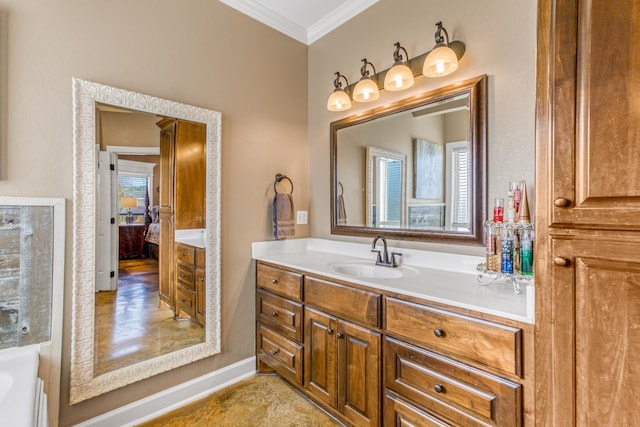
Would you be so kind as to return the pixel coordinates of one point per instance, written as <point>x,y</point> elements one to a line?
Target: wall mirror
<point>159,176</point>
<point>415,169</point>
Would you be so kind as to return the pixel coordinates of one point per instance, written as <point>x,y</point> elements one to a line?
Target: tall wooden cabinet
<point>588,213</point>
<point>182,192</point>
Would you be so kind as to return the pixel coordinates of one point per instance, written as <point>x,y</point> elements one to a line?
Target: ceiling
<point>303,20</point>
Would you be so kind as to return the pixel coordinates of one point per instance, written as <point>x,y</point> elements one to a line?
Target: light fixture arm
<point>337,84</point>
<point>397,56</point>
<point>439,39</point>
<point>363,70</point>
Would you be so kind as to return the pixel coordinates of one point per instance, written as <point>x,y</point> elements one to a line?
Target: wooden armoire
<point>588,213</point>
<point>182,193</point>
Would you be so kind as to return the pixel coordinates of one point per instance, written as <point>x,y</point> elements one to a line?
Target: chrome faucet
<point>383,257</point>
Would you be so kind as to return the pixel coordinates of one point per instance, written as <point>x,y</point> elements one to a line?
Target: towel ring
<point>280,177</point>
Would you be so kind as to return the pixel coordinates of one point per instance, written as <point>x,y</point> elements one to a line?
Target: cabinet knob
<point>274,314</point>
<point>329,331</point>
<point>202,279</point>
<point>561,202</point>
<point>274,281</point>
<point>438,332</point>
<point>184,254</point>
<point>274,352</point>
<point>439,388</point>
<point>340,335</point>
<point>560,261</point>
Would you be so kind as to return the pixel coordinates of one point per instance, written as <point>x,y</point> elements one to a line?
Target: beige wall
<point>500,39</point>
<point>198,52</point>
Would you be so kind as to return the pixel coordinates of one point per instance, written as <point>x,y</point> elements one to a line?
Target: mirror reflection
<point>414,169</point>
<point>146,237</point>
<point>137,314</point>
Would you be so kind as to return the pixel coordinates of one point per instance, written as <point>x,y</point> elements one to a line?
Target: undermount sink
<point>368,270</point>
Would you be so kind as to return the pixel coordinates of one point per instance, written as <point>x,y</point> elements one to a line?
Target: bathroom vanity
<point>420,344</point>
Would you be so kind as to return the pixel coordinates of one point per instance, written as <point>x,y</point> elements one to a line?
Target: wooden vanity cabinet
<point>374,358</point>
<point>190,283</point>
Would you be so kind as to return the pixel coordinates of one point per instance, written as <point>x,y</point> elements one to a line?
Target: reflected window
<point>132,197</point>
<point>458,165</point>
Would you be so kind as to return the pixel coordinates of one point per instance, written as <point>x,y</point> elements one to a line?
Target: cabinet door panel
<point>359,374</point>
<point>596,114</point>
<point>320,356</point>
<point>596,332</point>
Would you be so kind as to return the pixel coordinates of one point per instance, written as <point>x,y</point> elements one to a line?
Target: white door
<point>106,231</point>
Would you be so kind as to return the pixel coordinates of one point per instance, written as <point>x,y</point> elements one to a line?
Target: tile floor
<point>264,400</point>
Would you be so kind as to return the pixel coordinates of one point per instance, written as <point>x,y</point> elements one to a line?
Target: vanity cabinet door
<point>201,286</point>
<point>359,374</point>
<point>320,356</point>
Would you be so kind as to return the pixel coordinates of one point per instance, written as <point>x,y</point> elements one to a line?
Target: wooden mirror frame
<point>83,383</point>
<point>476,87</point>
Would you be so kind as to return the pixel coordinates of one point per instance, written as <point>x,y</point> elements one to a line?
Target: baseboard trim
<point>175,397</point>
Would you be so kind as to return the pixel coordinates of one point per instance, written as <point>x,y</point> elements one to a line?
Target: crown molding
<point>304,35</point>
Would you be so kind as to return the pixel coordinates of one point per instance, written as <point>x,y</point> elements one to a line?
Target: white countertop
<point>193,236</point>
<point>433,276</point>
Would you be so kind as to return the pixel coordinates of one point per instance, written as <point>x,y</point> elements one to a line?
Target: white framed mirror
<point>85,381</point>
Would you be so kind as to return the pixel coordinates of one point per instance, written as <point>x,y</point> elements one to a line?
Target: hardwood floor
<point>130,327</point>
<point>265,401</point>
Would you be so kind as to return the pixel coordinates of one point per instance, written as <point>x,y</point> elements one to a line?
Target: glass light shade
<point>366,90</point>
<point>399,77</point>
<point>439,62</point>
<point>338,101</point>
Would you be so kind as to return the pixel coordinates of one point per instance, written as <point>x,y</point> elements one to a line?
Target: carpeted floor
<point>265,401</point>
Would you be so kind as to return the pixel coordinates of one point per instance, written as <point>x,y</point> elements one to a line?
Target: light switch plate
<point>302,217</point>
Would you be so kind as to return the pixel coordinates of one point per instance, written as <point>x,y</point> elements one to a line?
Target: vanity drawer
<point>453,391</point>
<point>477,340</point>
<point>346,302</point>
<point>280,314</point>
<point>186,301</point>
<point>185,253</point>
<point>399,413</point>
<point>185,275</point>
<point>281,282</point>
<point>283,355</point>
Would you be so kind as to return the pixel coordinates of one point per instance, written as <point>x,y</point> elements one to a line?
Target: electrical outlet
<point>302,217</point>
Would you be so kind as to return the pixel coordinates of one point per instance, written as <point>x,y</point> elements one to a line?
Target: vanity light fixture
<point>443,59</point>
<point>400,76</point>
<point>339,99</point>
<point>366,90</point>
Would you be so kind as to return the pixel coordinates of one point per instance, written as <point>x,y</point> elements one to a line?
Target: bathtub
<point>22,402</point>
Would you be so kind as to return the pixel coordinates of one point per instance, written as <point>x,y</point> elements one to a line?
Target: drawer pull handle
<point>274,281</point>
<point>438,332</point>
<point>439,388</point>
<point>329,331</point>
<point>274,314</point>
<point>340,335</point>
<point>561,202</point>
<point>274,352</point>
<point>560,261</point>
